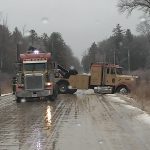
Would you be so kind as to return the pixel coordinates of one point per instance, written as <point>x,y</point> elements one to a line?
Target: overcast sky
<point>81,22</point>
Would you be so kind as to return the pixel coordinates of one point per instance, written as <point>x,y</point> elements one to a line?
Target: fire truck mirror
<point>53,64</point>
<point>15,67</point>
<point>18,67</point>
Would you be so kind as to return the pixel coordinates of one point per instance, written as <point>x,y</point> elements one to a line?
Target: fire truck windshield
<point>34,67</point>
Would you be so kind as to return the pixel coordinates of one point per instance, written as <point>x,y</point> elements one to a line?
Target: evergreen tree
<point>17,36</point>
<point>45,40</point>
<point>5,48</point>
<point>33,36</point>
<point>118,36</point>
<point>92,53</point>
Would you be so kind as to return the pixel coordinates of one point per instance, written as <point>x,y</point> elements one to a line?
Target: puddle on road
<point>48,117</point>
<point>22,125</point>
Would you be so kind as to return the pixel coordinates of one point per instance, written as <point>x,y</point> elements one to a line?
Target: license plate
<point>34,95</point>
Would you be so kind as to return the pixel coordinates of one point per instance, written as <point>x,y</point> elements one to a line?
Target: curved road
<point>85,121</point>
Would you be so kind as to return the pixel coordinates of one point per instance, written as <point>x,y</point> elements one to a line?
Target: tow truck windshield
<point>34,67</point>
<point>119,71</point>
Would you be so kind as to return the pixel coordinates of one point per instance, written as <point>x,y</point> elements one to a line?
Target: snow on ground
<point>85,92</point>
<point>144,118</point>
<point>114,98</point>
<point>130,107</point>
<point>6,94</point>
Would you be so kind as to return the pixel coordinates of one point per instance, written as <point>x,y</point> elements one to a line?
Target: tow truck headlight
<point>69,87</point>
<point>48,84</point>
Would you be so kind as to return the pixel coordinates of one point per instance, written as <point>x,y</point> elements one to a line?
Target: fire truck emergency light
<point>36,52</point>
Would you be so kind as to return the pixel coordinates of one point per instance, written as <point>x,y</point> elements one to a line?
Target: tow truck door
<point>110,76</point>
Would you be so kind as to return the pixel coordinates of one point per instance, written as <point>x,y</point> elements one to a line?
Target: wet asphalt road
<point>85,121</point>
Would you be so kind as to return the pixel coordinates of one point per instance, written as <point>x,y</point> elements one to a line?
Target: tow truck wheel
<point>63,87</point>
<point>72,91</point>
<point>122,90</point>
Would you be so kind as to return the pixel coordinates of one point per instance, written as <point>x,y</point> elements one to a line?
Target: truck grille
<point>34,82</point>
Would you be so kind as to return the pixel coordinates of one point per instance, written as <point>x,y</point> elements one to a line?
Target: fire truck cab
<point>35,76</point>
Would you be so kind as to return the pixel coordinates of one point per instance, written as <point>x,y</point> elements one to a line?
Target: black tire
<point>55,94</point>
<point>72,91</point>
<point>113,90</point>
<point>122,90</point>
<point>14,89</point>
<point>18,99</point>
<point>63,87</point>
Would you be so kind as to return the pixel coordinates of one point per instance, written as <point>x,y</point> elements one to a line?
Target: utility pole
<point>18,52</point>
<point>128,60</point>
<point>114,57</point>
<point>53,57</point>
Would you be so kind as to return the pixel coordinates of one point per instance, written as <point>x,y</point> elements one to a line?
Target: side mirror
<point>56,73</point>
<point>54,65</point>
<point>18,67</point>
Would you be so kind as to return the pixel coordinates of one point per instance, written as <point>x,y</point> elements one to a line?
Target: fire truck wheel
<point>52,97</point>
<point>63,87</point>
<point>72,91</point>
<point>18,99</point>
<point>55,93</point>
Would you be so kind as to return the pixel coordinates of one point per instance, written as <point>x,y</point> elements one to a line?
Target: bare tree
<point>144,28</point>
<point>130,5</point>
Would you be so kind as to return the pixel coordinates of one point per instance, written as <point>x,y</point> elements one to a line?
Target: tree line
<point>54,43</point>
<point>123,48</point>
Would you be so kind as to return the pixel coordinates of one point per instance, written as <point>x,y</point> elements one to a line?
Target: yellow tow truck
<point>103,78</point>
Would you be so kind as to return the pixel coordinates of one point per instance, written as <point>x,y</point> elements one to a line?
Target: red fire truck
<point>35,76</point>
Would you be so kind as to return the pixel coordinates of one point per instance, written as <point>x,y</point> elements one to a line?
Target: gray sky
<point>81,22</point>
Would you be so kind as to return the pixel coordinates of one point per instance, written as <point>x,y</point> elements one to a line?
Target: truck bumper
<point>103,90</point>
<point>42,93</point>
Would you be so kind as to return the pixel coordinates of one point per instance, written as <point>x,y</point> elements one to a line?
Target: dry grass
<point>5,83</point>
<point>141,93</point>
